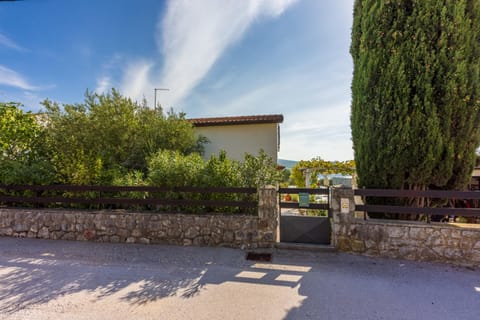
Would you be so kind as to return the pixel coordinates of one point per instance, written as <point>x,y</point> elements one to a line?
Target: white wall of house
<point>237,140</point>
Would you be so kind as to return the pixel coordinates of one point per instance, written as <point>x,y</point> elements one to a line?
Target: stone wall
<point>442,242</point>
<point>120,226</point>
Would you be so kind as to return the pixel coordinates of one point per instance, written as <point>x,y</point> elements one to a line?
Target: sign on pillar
<point>344,205</point>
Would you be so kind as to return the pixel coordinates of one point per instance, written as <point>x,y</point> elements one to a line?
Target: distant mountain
<point>289,164</point>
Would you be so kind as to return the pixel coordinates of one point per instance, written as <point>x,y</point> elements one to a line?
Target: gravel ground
<point>42,279</point>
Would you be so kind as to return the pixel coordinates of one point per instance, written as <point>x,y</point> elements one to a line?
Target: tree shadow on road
<point>355,287</point>
<point>325,286</point>
<point>38,271</point>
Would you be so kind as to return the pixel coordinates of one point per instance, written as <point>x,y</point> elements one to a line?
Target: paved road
<point>41,279</point>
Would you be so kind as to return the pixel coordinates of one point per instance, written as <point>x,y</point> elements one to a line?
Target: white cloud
<point>316,110</point>
<point>135,82</point>
<point>319,119</point>
<point>313,132</point>
<point>29,99</point>
<point>195,34</point>
<point>18,88</point>
<point>11,78</point>
<point>32,100</point>
<point>306,147</point>
<point>316,116</point>
<point>109,71</point>
<point>191,36</point>
<point>9,43</point>
<point>247,103</point>
<point>104,84</point>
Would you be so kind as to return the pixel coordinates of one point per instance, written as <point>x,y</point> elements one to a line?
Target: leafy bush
<point>173,169</point>
<point>25,173</point>
<point>259,171</point>
<point>134,178</point>
<point>90,143</point>
<point>111,140</point>
<point>21,158</point>
<point>221,172</point>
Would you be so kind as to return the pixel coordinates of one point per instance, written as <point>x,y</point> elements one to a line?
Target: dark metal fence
<point>457,199</point>
<point>313,224</point>
<point>241,200</point>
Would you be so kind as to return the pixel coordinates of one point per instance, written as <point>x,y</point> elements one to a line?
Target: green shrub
<point>135,179</point>
<point>107,133</point>
<point>16,172</point>
<point>169,168</point>
<point>173,169</point>
<point>259,171</point>
<point>221,172</point>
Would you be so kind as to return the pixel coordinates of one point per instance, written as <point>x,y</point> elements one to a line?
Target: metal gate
<point>305,215</point>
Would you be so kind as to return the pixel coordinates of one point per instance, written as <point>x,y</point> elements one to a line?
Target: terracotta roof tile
<point>226,121</point>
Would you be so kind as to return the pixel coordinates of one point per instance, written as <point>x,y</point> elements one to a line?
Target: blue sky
<point>216,57</point>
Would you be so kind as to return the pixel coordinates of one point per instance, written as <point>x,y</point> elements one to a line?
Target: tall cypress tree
<point>415,92</point>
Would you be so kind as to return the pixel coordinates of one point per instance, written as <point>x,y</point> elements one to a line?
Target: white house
<point>240,135</point>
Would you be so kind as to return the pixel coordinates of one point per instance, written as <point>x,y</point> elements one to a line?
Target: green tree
<point>21,155</point>
<point>172,168</point>
<point>318,166</point>
<point>415,92</point>
<point>109,135</point>
<point>286,176</point>
<point>18,132</point>
<point>259,171</point>
<point>169,168</point>
<point>219,171</point>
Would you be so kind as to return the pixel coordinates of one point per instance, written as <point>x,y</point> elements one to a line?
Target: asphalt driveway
<point>42,279</point>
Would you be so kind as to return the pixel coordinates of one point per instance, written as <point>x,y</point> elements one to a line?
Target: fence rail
<point>297,205</point>
<point>235,197</point>
<point>438,194</point>
<point>300,190</point>
<point>410,210</point>
<point>128,188</point>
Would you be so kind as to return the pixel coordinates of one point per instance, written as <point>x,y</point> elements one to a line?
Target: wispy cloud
<point>106,80</point>
<point>192,36</point>
<point>104,83</point>
<point>319,127</point>
<point>313,132</point>
<point>195,34</point>
<point>11,78</point>
<point>9,43</point>
<point>136,79</point>
<point>316,110</point>
<point>29,99</point>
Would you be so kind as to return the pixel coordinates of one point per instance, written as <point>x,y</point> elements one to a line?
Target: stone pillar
<point>343,211</point>
<point>268,213</point>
